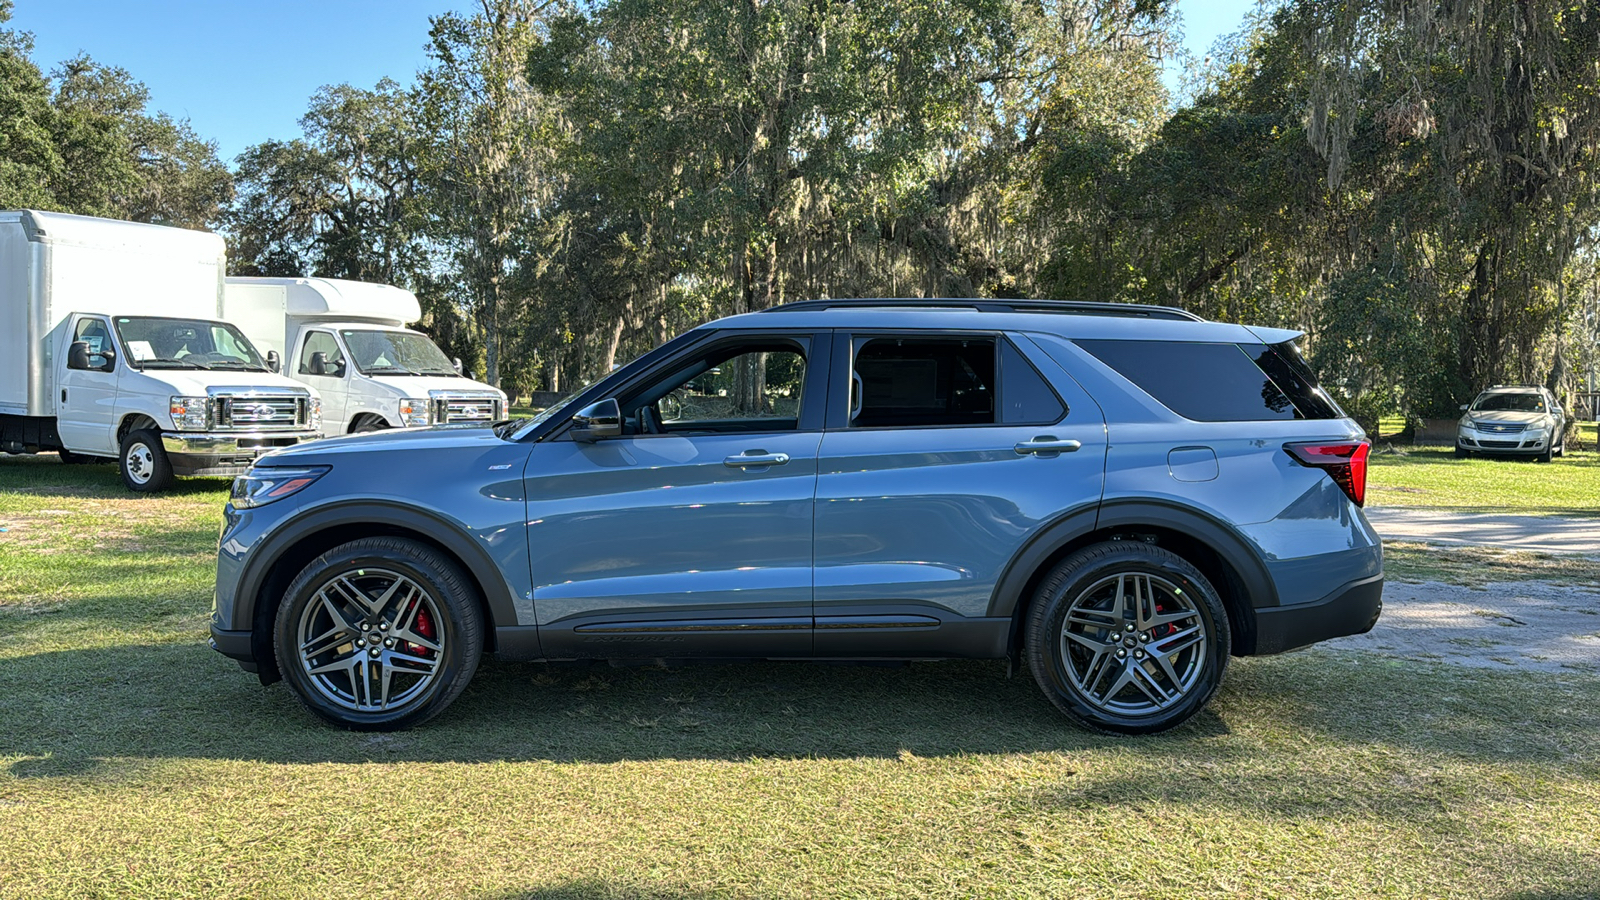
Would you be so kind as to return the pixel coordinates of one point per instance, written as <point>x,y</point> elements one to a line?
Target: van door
<point>331,381</point>
<point>86,403</point>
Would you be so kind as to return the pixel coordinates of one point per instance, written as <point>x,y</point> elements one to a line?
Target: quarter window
<point>1221,382</point>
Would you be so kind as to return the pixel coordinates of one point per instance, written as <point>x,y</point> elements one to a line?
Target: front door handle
<point>755,458</point>
<point>1047,445</point>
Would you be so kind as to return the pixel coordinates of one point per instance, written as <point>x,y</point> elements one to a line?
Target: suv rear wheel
<point>379,634</point>
<point>1127,638</point>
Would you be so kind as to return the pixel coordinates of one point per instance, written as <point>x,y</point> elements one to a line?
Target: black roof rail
<point>1068,307</point>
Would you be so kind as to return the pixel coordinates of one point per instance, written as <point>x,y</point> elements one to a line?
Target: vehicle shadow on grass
<point>45,474</point>
<point>68,713</point>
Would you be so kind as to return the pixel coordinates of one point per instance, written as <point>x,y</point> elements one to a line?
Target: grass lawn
<point>134,761</point>
<point>1432,476</point>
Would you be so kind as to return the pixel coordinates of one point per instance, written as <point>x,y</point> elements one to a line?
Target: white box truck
<point>348,340</point>
<point>111,347</point>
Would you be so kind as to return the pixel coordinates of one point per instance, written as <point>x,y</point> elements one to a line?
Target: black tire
<point>1549,451</point>
<point>1081,673</point>
<point>1461,453</point>
<point>369,425</point>
<point>422,680</point>
<point>143,462</point>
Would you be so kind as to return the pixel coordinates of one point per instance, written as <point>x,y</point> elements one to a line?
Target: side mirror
<point>274,362</point>
<point>1464,407</point>
<point>457,363</point>
<point>319,363</point>
<point>596,421</point>
<point>79,357</point>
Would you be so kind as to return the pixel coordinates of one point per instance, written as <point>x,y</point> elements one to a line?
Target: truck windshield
<point>396,353</point>
<point>162,343</point>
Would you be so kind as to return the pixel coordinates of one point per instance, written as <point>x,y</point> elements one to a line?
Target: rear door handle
<point>755,458</point>
<point>1047,445</point>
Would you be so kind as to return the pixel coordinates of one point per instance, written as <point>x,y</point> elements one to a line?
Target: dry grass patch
<point>1414,562</point>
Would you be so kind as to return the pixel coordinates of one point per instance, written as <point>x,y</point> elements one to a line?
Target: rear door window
<point>911,382</point>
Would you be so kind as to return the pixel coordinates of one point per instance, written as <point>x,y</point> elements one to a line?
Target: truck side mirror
<point>596,421</point>
<point>274,362</point>
<point>319,363</point>
<point>79,357</point>
<point>457,363</point>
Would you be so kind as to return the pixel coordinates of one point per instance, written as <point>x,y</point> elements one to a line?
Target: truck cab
<point>349,341</point>
<point>111,349</point>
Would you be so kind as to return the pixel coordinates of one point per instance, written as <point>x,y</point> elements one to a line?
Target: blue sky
<point>242,71</point>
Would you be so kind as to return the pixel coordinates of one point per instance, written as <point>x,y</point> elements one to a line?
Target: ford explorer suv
<point>1121,497</point>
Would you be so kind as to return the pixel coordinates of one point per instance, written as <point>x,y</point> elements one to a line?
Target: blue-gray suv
<point>1120,496</point>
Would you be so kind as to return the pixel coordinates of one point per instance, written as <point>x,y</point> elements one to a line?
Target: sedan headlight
<point>261,486</point>
<point>415,411</point>
<point>189,413</point>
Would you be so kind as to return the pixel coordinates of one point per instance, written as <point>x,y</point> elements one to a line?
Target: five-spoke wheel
<point>1127,637</point>
<point>379,633</point>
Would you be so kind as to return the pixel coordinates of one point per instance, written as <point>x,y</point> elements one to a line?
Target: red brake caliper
<point>424,626</point>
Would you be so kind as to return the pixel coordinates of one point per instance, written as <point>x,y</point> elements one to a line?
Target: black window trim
<point>838,418</point>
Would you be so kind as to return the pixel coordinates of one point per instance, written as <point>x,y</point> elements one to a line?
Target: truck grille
<point>466,409</point>
<point>262,413</point>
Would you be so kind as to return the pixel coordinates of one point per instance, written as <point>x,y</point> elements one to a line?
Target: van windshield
<point>396,353</point>
<point>162,343</point>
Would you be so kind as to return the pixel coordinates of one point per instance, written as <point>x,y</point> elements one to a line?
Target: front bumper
<point>1352,608</point>
<point>235,645</point>
<point>1521,443</point>
<point>225,453</point>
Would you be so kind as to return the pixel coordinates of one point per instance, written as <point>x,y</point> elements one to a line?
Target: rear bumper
<point>225,454</point>
<point>1351,609</point>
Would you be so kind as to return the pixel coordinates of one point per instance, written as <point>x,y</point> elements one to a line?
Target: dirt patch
<point>1526,625</point>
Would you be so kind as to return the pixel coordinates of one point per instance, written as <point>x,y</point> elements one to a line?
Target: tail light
<point>1344,461</point>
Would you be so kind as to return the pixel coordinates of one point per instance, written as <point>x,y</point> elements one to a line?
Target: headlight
<point>189,413</point>
<point>261,486</point>
<point>316,413</point>
<point>414,411</point>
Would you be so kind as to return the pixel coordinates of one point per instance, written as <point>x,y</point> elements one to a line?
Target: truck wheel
<point>1127,638</point>
<point>379,634</point>
<point>367,425</point>
<point>145,467</point>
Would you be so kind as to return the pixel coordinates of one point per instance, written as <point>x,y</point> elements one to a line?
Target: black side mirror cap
<point>319,363</point>
<point>274,362</point>
<point>79,357</point>
<point>597,421</point>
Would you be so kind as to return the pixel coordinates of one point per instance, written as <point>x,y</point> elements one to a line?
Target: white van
<point>111,347</point>
<point>348,340</point>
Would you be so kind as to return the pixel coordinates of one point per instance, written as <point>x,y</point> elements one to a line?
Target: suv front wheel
<point>1127,638</point>
<point>379,634</point>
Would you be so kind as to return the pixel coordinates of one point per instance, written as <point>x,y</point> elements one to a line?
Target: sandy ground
<point>1525,625</point>
<point>1540,534</point>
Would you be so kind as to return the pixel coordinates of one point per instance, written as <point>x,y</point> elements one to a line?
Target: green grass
<point>1566,486</point>
<point>134,761</point>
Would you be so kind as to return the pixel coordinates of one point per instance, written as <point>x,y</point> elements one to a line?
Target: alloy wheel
<point>1134,644</point>
<point>371,640</point>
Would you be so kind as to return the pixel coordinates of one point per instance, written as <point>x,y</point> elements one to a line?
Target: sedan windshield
<point>1509,403</point>
<point>161,343</point>
<point>396,353</point>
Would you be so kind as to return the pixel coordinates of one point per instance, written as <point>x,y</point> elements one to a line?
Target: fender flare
<point>1221,538</point>
<point>449,535</point>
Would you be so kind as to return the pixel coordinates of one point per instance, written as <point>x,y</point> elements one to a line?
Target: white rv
<point>111,347</point>
<point>348,340</point>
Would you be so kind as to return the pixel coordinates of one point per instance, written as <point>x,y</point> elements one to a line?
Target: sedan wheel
<point>1128,638</point>
<point>380,633</point>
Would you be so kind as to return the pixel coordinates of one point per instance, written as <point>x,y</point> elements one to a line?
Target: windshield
<point>1509,403</point>
<point>161,343</point>
<point>396,353</point>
